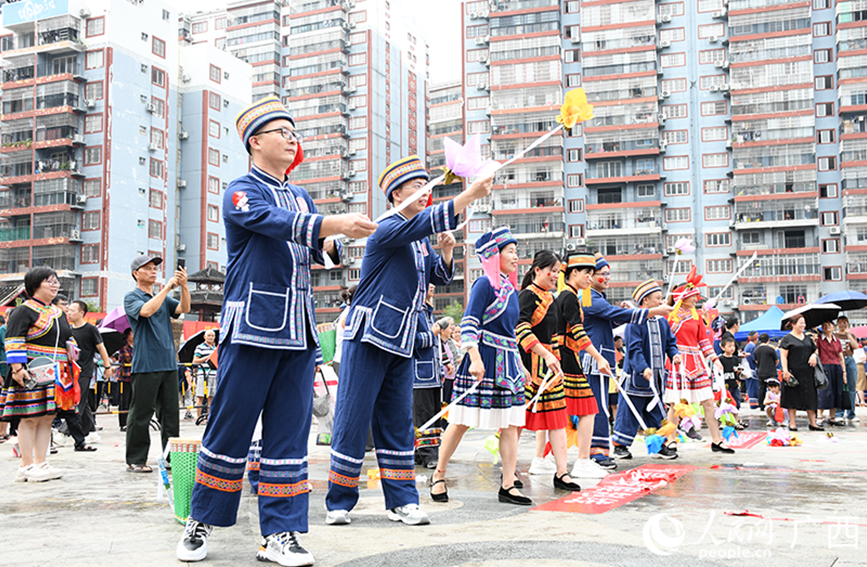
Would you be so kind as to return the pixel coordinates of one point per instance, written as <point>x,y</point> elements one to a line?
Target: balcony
<point>527,248</point>
<point>783,267</point>
<point>535,225</point>
<point>55,256</point>
<point>626,245</point>
<point>616,222</point>
<point>631,147</point>
<point>511,200</point>
<point>855,209</point>
<point>751,215</point>
<point>635,271</point>
<point>56,35</point>
<point>786,296</point>
<point>14,234</point>
<point>511,5</point>
<point>14,260</point>
<point>856,265</point>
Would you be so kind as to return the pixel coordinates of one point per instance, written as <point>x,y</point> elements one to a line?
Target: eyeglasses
<point>52,282</point>
<point>286,133</point>
<point>604,276</point>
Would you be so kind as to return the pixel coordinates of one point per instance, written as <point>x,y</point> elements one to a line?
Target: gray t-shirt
<point>154,343</point>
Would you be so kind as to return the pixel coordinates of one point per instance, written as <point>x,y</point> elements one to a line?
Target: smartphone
<point>182,263</point>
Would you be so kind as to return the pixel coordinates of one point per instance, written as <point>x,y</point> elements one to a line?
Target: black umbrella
<point>814,314</point>
<point>113,340</point>
<point>188,348</point>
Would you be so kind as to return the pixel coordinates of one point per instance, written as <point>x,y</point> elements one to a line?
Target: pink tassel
<point>491,268</point>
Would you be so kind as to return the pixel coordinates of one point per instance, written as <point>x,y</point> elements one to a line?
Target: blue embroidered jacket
<point>638,356</point>
<point>427,356</point>
<point>272,235</point>
<point>600,318</point>
<point>399,263</point>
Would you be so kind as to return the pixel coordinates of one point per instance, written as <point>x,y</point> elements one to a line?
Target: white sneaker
<point>61,439</point>
<point>194,541</point>
<point>542,467</point>
<point>855,419</point>
<point>92,437</point>
<point>39,473</point>
<point>587,468</point>
<point>53,473</point>
<point>283,548</point>
<point>338,518</point>
<point>21,475</point>
<point>409,514</point>
<point>771,423</point>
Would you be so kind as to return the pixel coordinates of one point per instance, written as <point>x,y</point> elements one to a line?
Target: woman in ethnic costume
<point>690,380</point>
<point>36,328</point>
<point>493,363</point>
<point>538,339</point>
<point>577,269</point>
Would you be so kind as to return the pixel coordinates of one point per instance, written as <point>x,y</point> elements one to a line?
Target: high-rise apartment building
<point>737,123</point>
<point>108,129</point>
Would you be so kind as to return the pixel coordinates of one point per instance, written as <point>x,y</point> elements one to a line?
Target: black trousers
<point>122,392</point>
<point>426,403</point>
<point>73,426</point>
<point>85,414</point>
<point>151,392</point>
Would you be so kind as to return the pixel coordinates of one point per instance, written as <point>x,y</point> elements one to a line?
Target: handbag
<point>820,377</point>
<point>322,404</point>
<point>43,371</point>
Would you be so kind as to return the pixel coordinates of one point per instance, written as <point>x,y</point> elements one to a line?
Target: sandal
<point>85,448</point>
<point>139,469</point>
<point>442,496</point>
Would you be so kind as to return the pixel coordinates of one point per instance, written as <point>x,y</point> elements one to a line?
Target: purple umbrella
<point>116,319</point>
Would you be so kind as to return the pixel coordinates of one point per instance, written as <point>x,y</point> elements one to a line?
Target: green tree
<point>455,311</point>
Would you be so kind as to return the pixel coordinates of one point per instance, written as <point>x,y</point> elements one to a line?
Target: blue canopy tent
<point>768,323</point>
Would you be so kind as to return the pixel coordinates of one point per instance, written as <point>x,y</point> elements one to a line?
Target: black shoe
<point>441,497</point>
<point>718,448</point>
<point>668,453</point>
<point>561,484</point>
<point>836,423</point>
<point>606,463</point>
<point>692,434</point>
<point>621,452</point>
<point>518,482</point>
<point>820,428</point>
<point>507,497</point>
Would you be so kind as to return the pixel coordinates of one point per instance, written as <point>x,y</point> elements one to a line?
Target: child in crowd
<point>772,403</point>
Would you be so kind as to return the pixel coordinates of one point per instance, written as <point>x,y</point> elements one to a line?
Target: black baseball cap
<point>144,259</point>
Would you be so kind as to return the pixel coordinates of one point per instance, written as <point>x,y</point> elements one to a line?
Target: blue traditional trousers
<point>600,443</point>
<point>278,383</point>
<point>625,424</point>
<point>374,385</point>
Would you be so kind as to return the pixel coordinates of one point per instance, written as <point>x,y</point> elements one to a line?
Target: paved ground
<point>811,499</point>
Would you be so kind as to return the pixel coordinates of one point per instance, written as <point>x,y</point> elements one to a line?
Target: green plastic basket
<point>327,341</point>
<point>184,456</point>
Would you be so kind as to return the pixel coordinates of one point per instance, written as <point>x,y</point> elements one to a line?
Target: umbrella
<point>185,353</point>
<point>847,300</point>
<point>112,340</point>
<point>859,332</point>
<point>814,314</point>
<point>115,319</point>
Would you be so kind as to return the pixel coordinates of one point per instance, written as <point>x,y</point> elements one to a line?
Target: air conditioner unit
<point>225,184</point>
<point>482,86</point>
<point>660,118</point>
<point>182,183</point>
<point>152,108</point>
<point>727,302</point>
<point>724,87</point>
<point>666,94</point>
<point>352,106</point>
<point>718,64</point>
<point>186,78</point>
<point>480,41</point>
<point>183,135</point>
<point>580,241</point>
<point>152,147</point>
<point>225,158</point>
<point>714,88</point>
<point>81,199</point>
<point>74,235</point>
<point>576,39</point>
<point>485,209</point>
<point>662,146</point>
<point>474,15</point>
<point>489,110</point>
<point>725,64</point>
<point>182,248</point>
<point>664,44</point>
<point>483,59</point>
<point>720,14</point>
<point>346,197</point>
<point>84,13</point>
<point>77,139</point>
<point>353,152</point>
<point>226,103</point>
<point>835,230</point>
<point>352,25</point>
<point>225,74</point>
<point>713,39</point>
<point>89,103</point>
<point>671,250</point>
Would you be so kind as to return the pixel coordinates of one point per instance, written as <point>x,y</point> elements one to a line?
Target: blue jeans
<point>851,382</point>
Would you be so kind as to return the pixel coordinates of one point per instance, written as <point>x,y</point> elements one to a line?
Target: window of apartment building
<point>828,190</point>
<point>714,134</point>
<point>220,24</point>
<point>358,59</point>
<point>358,165</point>
<point>213,213</point>
<point>674,111</point>
<point>708,81</point>
<point>572,6</point>
<point>160,107</point>
<point>573,155</point>
<point>822,56</point>
<point>825,136</point>
<point>214,129</point>
<point>480,225</point>
<point>576,231</point>
<point>573,80</point>
<point>356,81</point>
<point>357,144</point>
<point>673,34</point>
<point>720,266</point>
<point>720,212</point>
<point>93,59</point>
<point>821,29</point>
<point>673,85</point>
<point>475,79</point>
<point>89,253</point>
<point>93,91</point>
<point>830,245</point>
<point>92,187</point>
<point>645,190</point>
<point>158,77</point>
<point>710,5</point>
<point>155,229</point>
<point>672,60</point>
<point>718,239</point>
<point>830,218</point>
<point>156,199</point>
<point>159,47</point>
<point>200,27</point>
<point>90,220</point>
<point>675,162</point>
<point>715,160</point>
<point>832,273</point>
<point>357,122</point>
<point>360,208</point>
<point>573,55</point>
<point>827,163</point>
<point>214,185</point>
<point>711,30</point>
<point>89,287</point>
<point>575,180</point>
<point>214,101</point>
<point>752,237</point>
<point>711,56</point>
<point>683,214</point>
<point>576,205</point>
<point>824,83</point>
<point>213,241</point>
<point>478,126</point>
<point>671,9</point>
<point>93,123</point>
<point>821,4</point>
<point>157,168</point>
<point>712,186</point>
<point>95,26</point>
<point>676,188</point>
<point>215,74</point>
<point>214,157</point>
<point>358,187</point>
<point>358,17</point>
<point>675,136</point>
<point>93,155</point>
<point>713,108</point>
<point>476,55</point>
<point>824,109</point>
